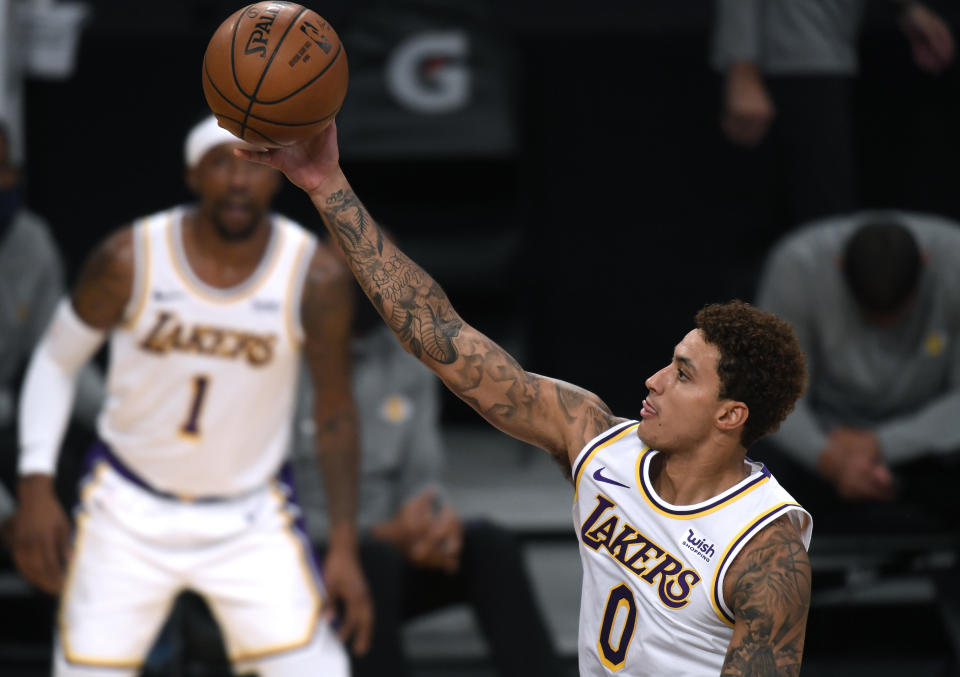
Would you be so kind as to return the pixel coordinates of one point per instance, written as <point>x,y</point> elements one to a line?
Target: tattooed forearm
<point>349,217</point>
<point>475,368</point>
<point>393,276</point>
<point>410,302</point>
<point>770,598</point>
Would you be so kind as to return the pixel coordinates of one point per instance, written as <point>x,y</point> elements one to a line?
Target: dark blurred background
<point>585,229</point>
<point>558,166</point>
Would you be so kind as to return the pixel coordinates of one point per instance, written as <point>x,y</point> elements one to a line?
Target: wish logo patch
<point>699,545</point>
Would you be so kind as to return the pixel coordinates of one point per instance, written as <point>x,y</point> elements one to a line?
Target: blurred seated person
<point>874,298</point>
<point>31,284</point>
<point>417,554</point>
<point>6,512</point>
<point>788,73</point>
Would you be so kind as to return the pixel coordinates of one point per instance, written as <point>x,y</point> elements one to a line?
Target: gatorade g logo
<point>427,72</point>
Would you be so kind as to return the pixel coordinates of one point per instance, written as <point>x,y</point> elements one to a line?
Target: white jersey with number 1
<point>201,380</point>
<point>652,600</point>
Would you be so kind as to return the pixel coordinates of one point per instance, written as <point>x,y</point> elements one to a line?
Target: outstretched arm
<point>768,589</point>
<point>550,414</point>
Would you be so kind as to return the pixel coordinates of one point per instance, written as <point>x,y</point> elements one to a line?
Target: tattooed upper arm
<point>105,283</point>
<point>556,416</point>
<point>768,589</point>
<point>585,413</point>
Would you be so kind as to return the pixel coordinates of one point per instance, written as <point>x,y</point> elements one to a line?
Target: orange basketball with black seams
<point>275,73</point>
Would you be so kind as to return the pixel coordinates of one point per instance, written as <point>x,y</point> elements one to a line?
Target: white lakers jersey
<point>652,600</point>
<point>201,380</point>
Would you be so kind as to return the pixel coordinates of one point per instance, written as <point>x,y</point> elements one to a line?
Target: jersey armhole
<point>594,445</point>
<point>800,517</point>
<point>141,273</point>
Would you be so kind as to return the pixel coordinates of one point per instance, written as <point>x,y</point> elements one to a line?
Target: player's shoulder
<point>116,248</point>
<point>105,283</point>
<point>327,286</point>
<point>777,549</point>
<point>768,586</point>
<point>588,416</point>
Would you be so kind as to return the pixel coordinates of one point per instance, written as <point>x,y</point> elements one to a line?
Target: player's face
<point>234,194</point>
<point>681,406</point>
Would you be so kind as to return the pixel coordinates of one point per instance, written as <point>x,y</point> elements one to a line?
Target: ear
<point>731,415</point>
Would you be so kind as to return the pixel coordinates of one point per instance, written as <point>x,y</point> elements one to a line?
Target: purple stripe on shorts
<point>299,524</point>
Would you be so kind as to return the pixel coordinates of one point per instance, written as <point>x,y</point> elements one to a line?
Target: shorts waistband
<point>99,451</point>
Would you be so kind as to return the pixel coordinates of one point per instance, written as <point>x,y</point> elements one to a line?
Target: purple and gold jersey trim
<point>141,274</point>
<point>616,433</point>
<point>734,548</point>
<point>295,284</point>
<point>732,494</point>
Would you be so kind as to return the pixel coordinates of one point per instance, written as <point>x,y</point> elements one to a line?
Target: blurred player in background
<point>208,308</point>
<point>694,558</point>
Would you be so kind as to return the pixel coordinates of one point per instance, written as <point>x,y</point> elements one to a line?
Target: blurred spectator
<point>788,70</point>
<point>875,301</point>
<point>417,554</point>
<point>31,284</point>
<point>6,512</point>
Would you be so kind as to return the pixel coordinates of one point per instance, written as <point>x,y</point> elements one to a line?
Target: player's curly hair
<point>761,363</point>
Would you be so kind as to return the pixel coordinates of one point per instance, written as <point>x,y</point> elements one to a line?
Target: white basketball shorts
<point>135,551</point>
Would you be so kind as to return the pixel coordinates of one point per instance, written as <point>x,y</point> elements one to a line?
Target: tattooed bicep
<point>768,590</point>
<point>585,412</point>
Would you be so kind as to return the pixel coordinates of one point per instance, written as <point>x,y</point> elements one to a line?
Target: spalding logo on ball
<point>275,73</point>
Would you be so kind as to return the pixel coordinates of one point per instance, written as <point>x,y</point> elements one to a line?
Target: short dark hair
<point>881,264</point>
<point>761,363</point>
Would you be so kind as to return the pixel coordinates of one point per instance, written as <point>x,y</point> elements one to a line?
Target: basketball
<point>275,73</point>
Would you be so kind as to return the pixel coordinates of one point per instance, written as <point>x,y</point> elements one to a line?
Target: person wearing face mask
<point>31,284</point>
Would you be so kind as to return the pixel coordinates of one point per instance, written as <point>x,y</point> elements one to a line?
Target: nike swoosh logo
<point>598,476</point>
<point>163,296</point>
